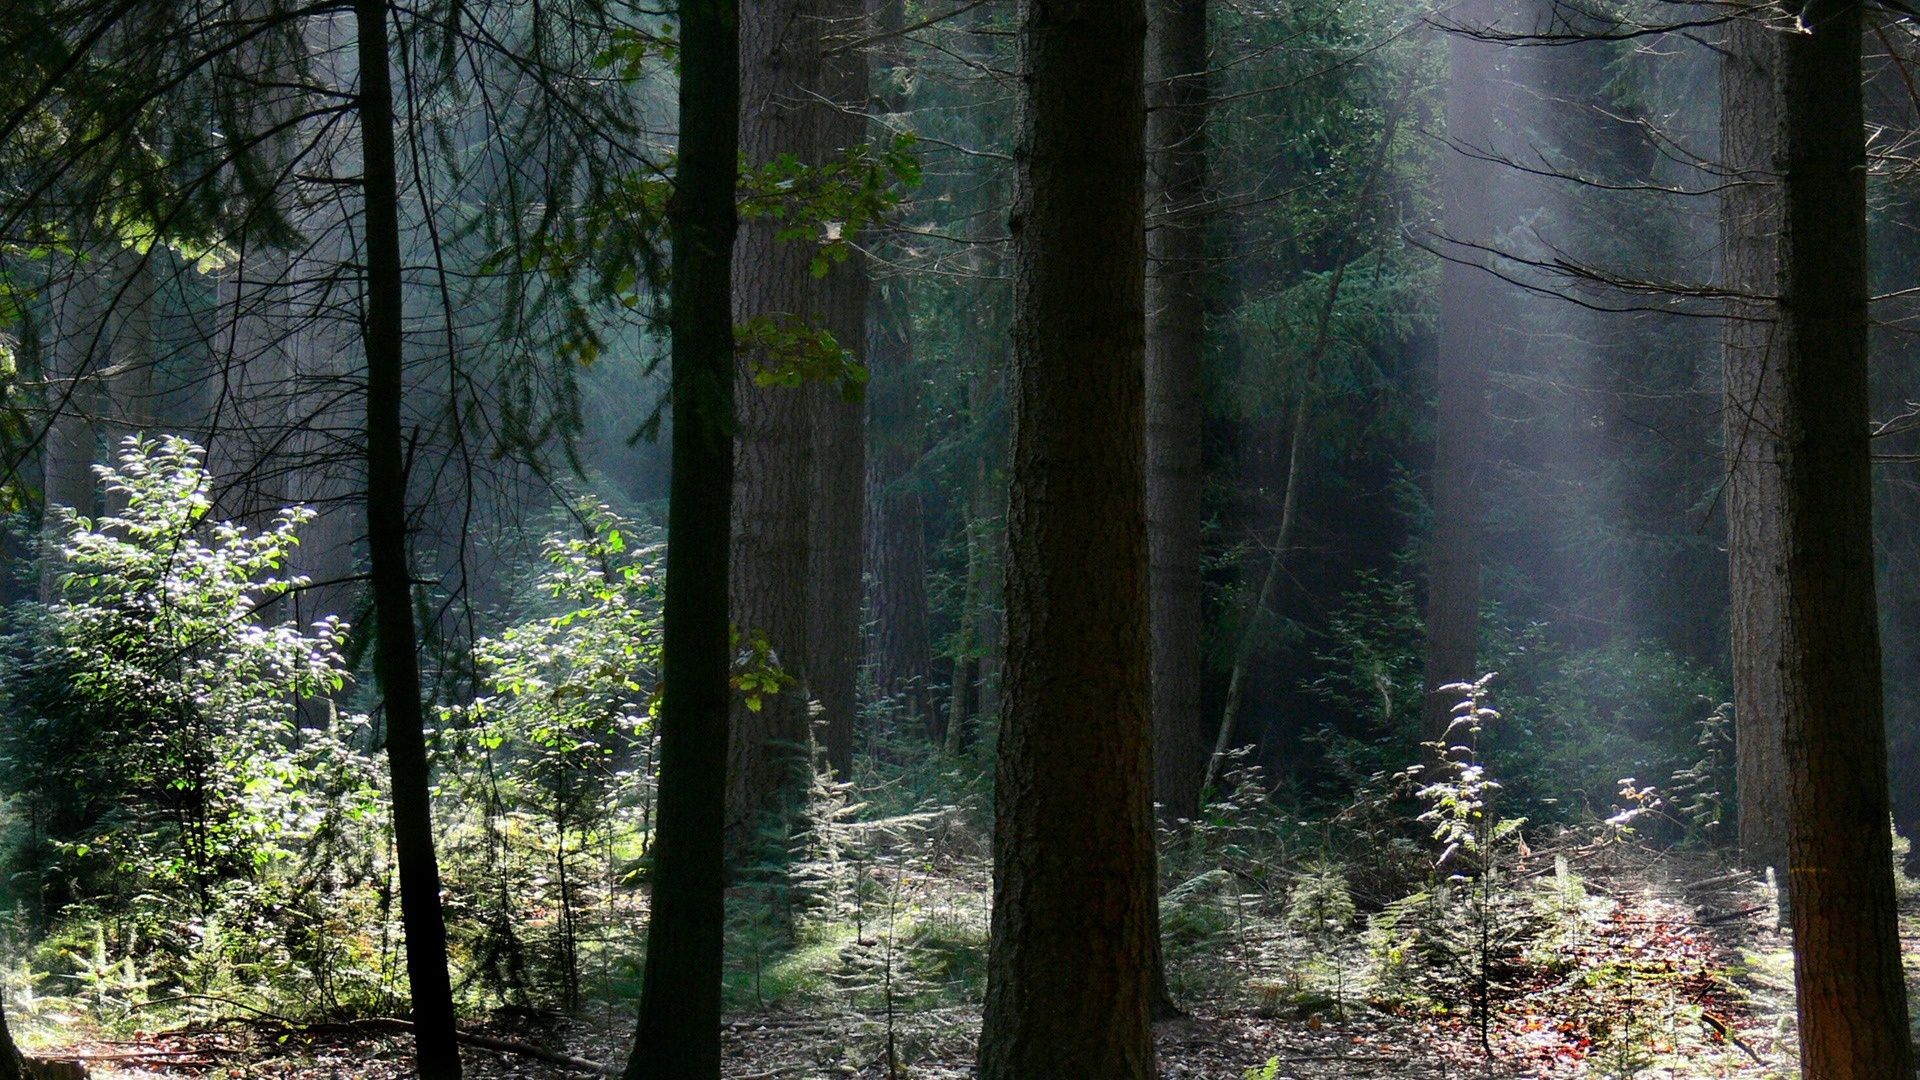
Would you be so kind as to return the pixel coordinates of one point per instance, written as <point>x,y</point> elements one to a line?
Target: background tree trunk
<point>1176,338</point>
<point>1852,991</point>
<point>1757,454</point>
<point>1070,962</point>
<point>396,660</point>
<point>679,1032</point>
<point>1466,344</point>
<point>780,71</point>
<point>839,426</point>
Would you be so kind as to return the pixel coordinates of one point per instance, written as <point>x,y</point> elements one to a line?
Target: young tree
<point>1852,990</point>
<point>679,1032</point>
<point>1756,453</point>
<point>1176,333</point>
<point>1070,961</point>
<point>396,659</point>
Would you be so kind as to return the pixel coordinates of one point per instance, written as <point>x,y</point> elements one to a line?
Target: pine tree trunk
<point>1757,455</point>
<point>900,649</point>
<point>835,531</point>
<point>396,660</point>
<point>71,356</point>
<point>1466,344</point>
<point>679,1031</point>
<point>900,644</point>
<point>1070,964</point>
<point>780,70</point>
<point>1847,965</point>
<point>1176,335</point>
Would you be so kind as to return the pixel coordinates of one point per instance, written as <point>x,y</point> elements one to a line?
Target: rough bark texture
<point>396,661</point>
<point>835,531</point>
<point>1070,962</point>
<point>1757,453</point>
<point>1176,332</point>
<point>780,65</point>
<point>1466,344</point>
<point>679,1032</point>
<point>1852,994</point>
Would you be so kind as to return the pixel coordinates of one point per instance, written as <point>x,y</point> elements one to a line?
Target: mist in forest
<point>884,537</point>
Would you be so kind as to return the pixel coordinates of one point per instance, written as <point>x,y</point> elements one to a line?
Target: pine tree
<point>1070,963</point>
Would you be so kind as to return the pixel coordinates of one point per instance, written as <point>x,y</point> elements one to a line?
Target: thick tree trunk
<point>1757,454</point>
<point>1176,335</point>
<point>835,531</point>
<point>396,661</point>
<point>780,72</point>
<point>679,1032</point>
<point>1070,964</point>
<point>1852,991</point>
<point>1466,344</point>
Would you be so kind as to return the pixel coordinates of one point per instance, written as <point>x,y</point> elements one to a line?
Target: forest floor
<point>1669,966</point>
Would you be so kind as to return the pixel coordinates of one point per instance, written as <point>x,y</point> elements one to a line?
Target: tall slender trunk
<point>835,531</point>
<point>396,660</point>
<point>1070,963</point>
<point>71,359</point>
<point>1755,447</point>
<point>900,649</point>
<point>1176,336</point>
<point>780,64</point>
<point>1852,990</point>
<point>1466,344</point>
<point>679,1033</point>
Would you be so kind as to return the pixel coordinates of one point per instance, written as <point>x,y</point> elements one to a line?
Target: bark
<point>780,71</point>
<point>1176,335</point>
<point>900,648</point>
<point>1069,972</point>
<point>1847,966</point>
<point>1757,453</point>
<point>679,1030</point>
<point>835,530</point>
<point>12,1065</point>
<point>396,660</point>
<point>1466,344</point>
<point>900,644</point>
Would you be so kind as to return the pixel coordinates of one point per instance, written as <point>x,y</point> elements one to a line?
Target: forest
<point>914,539</point>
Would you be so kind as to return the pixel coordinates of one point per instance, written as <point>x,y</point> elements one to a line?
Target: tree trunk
<point>1466,344</point>
<point>1176,336</point>
<point>396,661</point>
<point>780,65</point>
<point>1852,991</point>
<point>835,531</point>
<point>679,1032</point>
<point>901,649</point>
<point>1070,962</point>
<point>900,646</point>
<point>1757,454</point>
<point>71,361</point>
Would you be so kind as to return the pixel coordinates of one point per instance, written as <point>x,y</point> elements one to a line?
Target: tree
<point>1852,990</point>
<point>780,61</point>
<point>1466,346</point>
<point>1176,333</point>
<point>679,1031</point>
<point>835,531</point>
<point>1070,960</point>
<point>396,659</point>
<point>1756,453</point>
